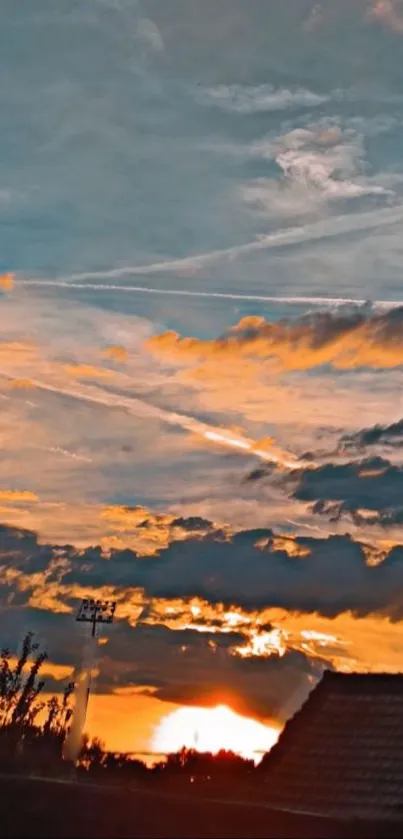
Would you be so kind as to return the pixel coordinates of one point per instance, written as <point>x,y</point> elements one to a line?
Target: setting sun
<point>212,729</point>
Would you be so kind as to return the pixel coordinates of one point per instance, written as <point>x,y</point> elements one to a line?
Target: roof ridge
<point>358,674</point>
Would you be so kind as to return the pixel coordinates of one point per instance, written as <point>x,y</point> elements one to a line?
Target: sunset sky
<point>201,354</point>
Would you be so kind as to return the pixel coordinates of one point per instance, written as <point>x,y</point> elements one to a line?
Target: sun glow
<point>263,644</point>
<point>213,729</point>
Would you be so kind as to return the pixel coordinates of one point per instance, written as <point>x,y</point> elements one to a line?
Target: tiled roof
<point>342,753</point>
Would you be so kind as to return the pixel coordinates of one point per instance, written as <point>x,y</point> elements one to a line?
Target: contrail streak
<point>213,434</point>
<point>328,228</point>
<point>221,295</point>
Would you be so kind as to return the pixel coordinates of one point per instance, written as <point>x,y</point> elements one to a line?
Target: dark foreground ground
<point>40,808</point>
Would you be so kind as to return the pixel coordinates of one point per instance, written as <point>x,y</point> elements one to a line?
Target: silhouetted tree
<point>92,755</point>
<point>19,690</point>
<point>94,761</point>
<point>21,738</point>
<point>59,713</point>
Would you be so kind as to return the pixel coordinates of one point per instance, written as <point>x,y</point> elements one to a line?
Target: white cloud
<point>149,33</point>
<point>320,164</point>
<point>245,99</point>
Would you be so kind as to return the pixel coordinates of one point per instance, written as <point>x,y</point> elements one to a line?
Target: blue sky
<point>201,206</point>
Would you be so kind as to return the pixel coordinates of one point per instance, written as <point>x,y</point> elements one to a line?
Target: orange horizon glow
<point>212,730</point>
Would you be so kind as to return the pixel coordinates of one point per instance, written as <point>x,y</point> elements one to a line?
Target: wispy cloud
<point>244,99</point>
<point>187,266</point>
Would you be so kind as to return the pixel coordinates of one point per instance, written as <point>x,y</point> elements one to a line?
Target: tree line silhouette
<point>33,731</point>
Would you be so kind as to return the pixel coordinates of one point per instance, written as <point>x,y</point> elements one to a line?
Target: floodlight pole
<point>94,612</point>
<point>87,698</point>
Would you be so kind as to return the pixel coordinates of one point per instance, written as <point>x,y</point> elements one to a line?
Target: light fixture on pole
<point>96,611</point>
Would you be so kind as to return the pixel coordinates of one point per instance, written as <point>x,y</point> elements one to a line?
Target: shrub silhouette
<point>20,706</point>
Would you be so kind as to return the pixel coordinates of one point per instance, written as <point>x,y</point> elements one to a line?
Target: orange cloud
<point>376,552</point>
<point>372,473</point>
<point>144,530</point>
<point>85,371</point>
<point>113,528</point>
<point>267,632</point>
<point>346,341</point>
<point>21,384</point>
<point>18,496</point>
<point>353,644</point>
<point>349,642</point>
<point>7,282</point>
<point>116,353</point>
<point>289,545</point>
<point>47,594</point>
<point>17,352</point>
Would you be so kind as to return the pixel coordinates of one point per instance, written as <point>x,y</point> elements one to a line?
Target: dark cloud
<point>249,569</point>
<point>259,473</point>
<point>386,435</point>
<point>332,578</point>
<point>49,627</point>
<point>367,491</point>
<point>373,484</point>
<point>23,550</point>
<point>192,523</point>
<point>335,511</point>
